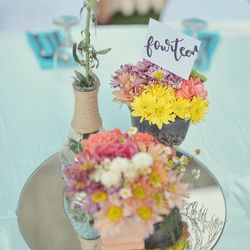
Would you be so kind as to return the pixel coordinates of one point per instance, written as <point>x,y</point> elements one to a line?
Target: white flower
<point>132,131</point>
<point>130,174</point>
<point>106,163</point>
<point>142,160</point>
<point>184,160</point>
<point>96,176</point>
<point>110,178</point>
<point>196,173</point>
<point>182,169</point>
<point>120,165</point>
<point>125,193</point>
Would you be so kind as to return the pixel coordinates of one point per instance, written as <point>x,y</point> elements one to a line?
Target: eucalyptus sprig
<point>84,52</point>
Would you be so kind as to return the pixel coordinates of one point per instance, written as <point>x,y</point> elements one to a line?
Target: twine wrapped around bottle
<point>86,118</point>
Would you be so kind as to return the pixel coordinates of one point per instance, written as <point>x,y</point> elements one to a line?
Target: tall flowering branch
<point>84,52</point>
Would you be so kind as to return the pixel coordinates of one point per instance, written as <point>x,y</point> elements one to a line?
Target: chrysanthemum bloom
<point>199,108</point>
<point>192,88</point>
<point>181,108</point>
<point>155,105</point>
<point>177,190</point>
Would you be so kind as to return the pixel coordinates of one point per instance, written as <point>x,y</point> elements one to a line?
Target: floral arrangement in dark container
<point>132,187</point>
<point>86,119</point>
<point>160,102</point>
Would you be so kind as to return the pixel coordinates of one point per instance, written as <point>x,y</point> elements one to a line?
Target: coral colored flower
<point>111,151</point>
<point>144,138</point>
<point>103,138</point>
<point>191,88</point>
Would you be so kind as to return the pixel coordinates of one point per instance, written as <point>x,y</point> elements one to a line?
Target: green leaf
<point>80,76</point>
<point>194,74</point>
<point>103,52</point>
<point>75,53</point>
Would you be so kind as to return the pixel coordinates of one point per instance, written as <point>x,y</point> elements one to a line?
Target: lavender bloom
<point>143,73</point>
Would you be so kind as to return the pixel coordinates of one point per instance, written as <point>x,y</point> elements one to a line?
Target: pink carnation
<point>103,138</point>
<point>111,151</point>
<point>191,88</point>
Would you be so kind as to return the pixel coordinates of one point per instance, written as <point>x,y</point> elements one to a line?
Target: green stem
<point>87,37</point>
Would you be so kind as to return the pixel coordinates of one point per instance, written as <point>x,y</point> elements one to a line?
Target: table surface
<point>44,224</point>
<point>36,107</point>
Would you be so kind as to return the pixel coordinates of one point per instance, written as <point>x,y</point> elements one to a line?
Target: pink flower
<point>144,138</point>
<point>111,151</point>
<point>103,138</point>
<point>176,190</point>
<point>191,88</point>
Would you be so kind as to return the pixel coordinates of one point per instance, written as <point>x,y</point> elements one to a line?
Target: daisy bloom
<point>177,191</point>
<point>181,108</point>
<point>198,109</point>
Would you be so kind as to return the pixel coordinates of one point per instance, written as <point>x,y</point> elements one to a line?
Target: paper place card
<point>170,49</point>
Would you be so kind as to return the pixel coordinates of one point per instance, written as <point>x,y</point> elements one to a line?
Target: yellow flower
<point>145,213</point>
<point>114,213</point>
<point>181,244</point>
<point>162,114</point>
<point>199,108</point>
<point>139,193</point>
<point>161,90</point>
<point>155,105</point>
<point>143,105</point>
<point>158,75</point>
<point>99,197</point>
<point>181,108</point>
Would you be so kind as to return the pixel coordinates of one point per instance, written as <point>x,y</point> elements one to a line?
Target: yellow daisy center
<point>158,75</point>
<point>145,213</point>
<point>155,179</point>
<point>85,166</point>
<point>157,198</point>
<point>79,185</point>
<point>114,213</point>
<point>99,196</point>
<point>139,193</point>
<point>173,189</point>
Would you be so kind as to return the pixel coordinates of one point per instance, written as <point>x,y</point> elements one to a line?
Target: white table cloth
<point>36,107</point>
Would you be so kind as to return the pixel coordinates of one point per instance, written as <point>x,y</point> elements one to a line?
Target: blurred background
<point>29,14</point>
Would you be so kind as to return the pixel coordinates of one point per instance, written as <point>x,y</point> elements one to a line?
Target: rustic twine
<point>86,118</point>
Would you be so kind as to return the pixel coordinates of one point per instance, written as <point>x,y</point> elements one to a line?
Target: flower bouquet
<point>160,102</point>
<point>132,187</point>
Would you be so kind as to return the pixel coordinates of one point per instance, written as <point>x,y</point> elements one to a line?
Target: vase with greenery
<point>86,119</point>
